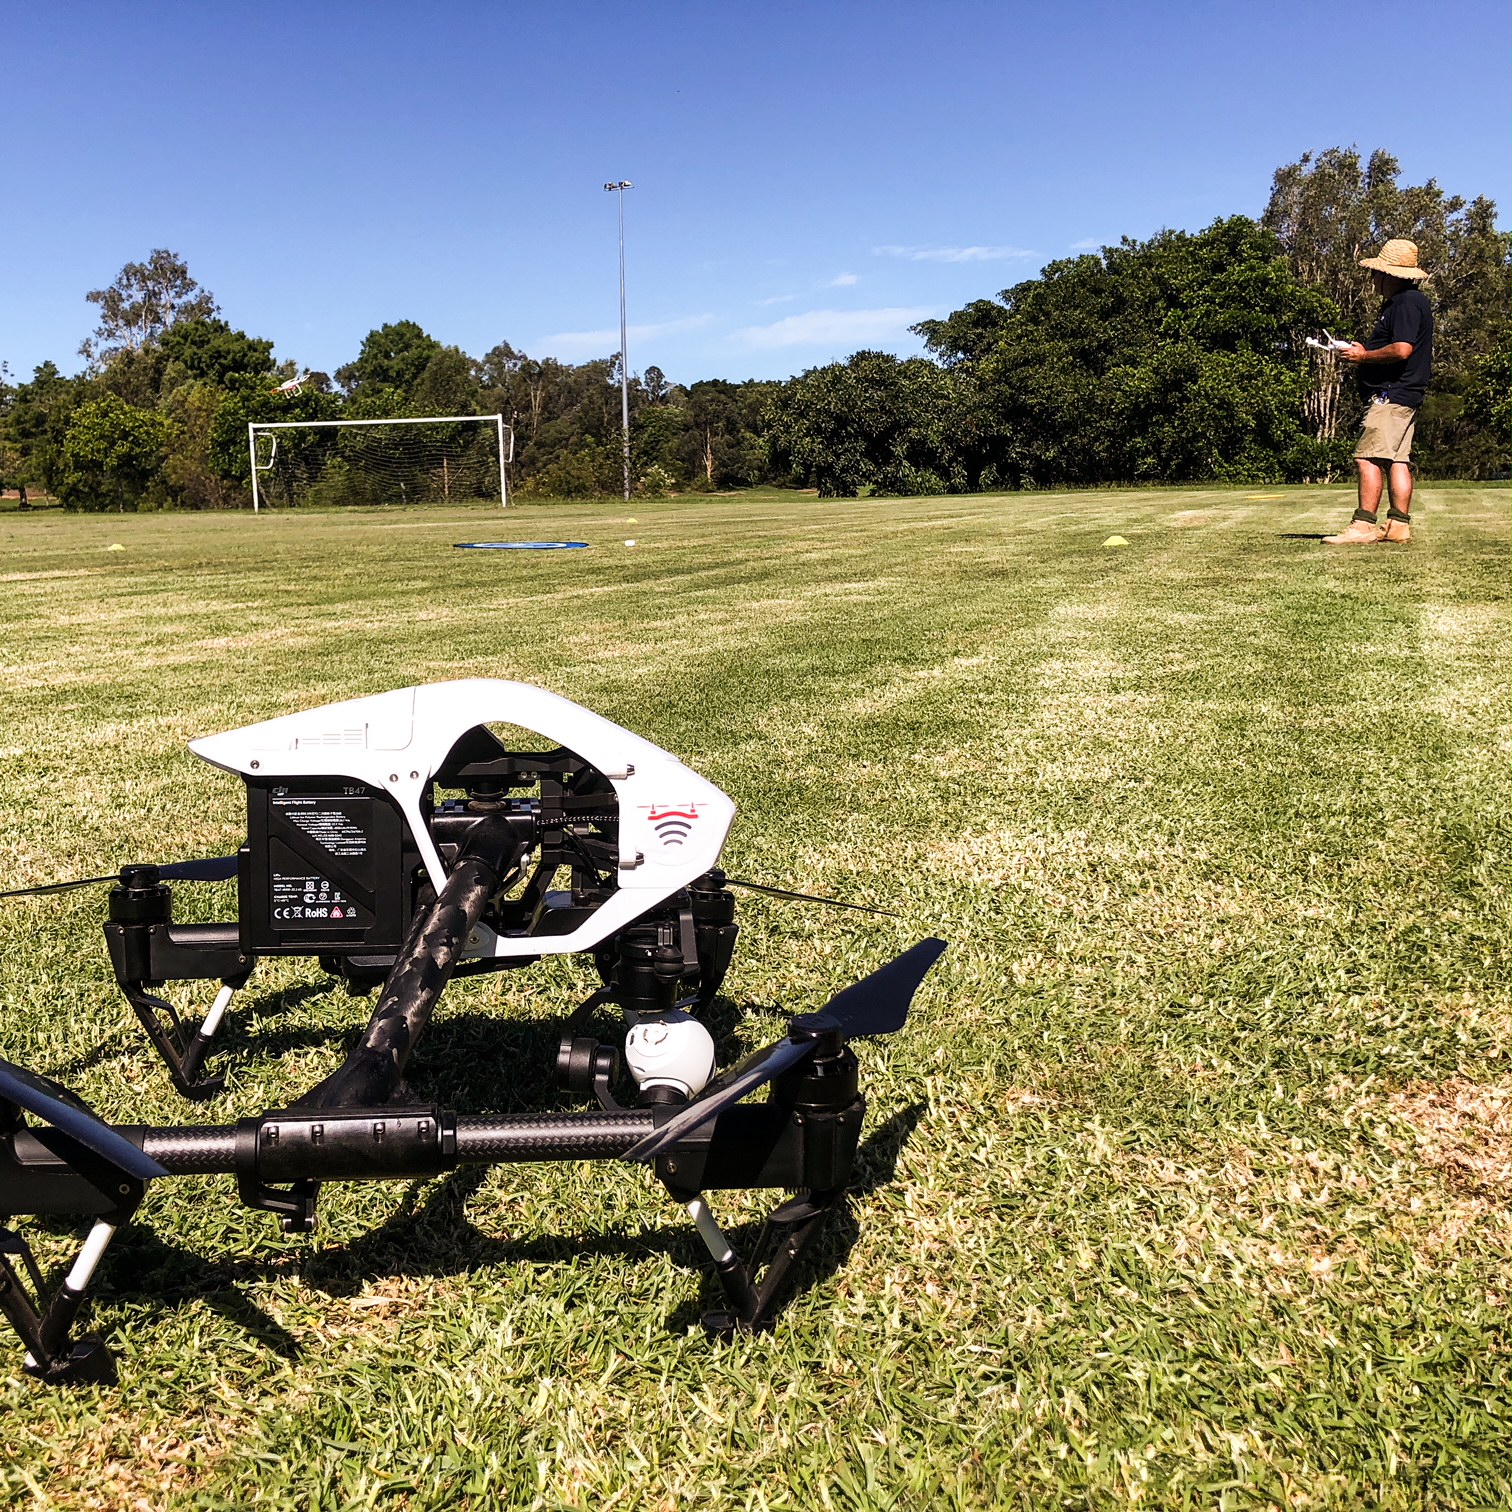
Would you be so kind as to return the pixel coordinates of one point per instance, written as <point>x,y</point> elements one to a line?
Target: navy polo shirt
<point>1406,316</point>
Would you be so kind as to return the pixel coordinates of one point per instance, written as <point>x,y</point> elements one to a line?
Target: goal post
<point>381,461</point>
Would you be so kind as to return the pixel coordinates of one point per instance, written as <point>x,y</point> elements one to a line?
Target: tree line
<point>1181,358</point>
<point>159,417</point>
<point>1178,359</point>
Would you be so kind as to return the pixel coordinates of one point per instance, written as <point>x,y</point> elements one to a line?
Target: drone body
<point>398,840</point>
<point>323,777</point>
<point>357,810</point>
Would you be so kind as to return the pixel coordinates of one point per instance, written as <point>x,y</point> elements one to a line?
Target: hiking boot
<point>1398,530</point>
<point>1357,533</point>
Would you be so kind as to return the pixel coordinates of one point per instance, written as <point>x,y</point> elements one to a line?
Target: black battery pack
<point>330,869</point>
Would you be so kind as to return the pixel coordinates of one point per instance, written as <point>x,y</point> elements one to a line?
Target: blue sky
<point>809,178</point>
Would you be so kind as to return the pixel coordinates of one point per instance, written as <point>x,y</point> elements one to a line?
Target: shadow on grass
<point>470,1063</point>
<point>168,1276</point>
<point>876,1162</point>
<point>128,1042</point>
<point>430,1235</point>
<point>474,1062</point>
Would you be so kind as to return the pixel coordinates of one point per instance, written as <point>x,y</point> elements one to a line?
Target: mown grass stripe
<point>1181,1189</point>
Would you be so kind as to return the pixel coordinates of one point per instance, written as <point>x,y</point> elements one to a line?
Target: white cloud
<point>778,299</point>
<point>835,328</point>
<point>603,343</point>
<point>1088,244</point>
<point>842,281</point>
<point>953,254</point>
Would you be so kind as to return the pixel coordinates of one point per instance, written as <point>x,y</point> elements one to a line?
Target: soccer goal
<point>430,459</point>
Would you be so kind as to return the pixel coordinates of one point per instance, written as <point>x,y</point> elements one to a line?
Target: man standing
<point>1394,367</point>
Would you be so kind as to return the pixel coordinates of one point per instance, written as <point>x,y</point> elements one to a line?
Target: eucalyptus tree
<point>143,301</point>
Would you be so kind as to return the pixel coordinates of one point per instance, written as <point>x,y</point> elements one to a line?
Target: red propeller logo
<point>673,826</point>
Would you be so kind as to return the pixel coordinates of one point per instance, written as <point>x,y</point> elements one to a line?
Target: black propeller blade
<point>754,1071</point>
<point>878,1004</point>
<point>41,1098</point>
<point>212,869</point>
<point>783,892</point>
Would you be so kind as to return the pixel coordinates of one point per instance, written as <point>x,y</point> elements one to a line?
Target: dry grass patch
<point>120,1467</point>
<point>1462,1130</point>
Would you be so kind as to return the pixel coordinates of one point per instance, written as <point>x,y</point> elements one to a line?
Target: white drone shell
<point>673,823</point>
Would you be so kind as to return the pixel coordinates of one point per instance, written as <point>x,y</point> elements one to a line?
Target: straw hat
<point>1398,259</point>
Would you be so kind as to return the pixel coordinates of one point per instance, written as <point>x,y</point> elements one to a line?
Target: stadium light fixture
<point>619,187</point>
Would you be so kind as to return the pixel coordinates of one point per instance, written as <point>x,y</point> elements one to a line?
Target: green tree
<point>134,374</point>
<point>144,301</point>
<point>654,387</point>
<point>965,335</point>
<point>591,470</point>
<point>657,434</point>
<point>724,444</point>
<point>10,454</point>
<point>447,385</point>
<point>300,455</point>
<point>1167,360</point>
<point>393,356</point>
<point>35,425</point>
<point>112,455</point>
<point>874,421</point>
<point>515,385</point>
<point>210,350</point>
<point>561,413</point>
<point>1488,406</point>
<point>190,475</point>
<point>581,417</point>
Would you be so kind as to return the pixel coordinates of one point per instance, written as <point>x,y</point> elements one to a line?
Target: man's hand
<point>1354,352</point>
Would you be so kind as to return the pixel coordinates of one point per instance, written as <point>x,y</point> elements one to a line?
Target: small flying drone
<point>400,843</point>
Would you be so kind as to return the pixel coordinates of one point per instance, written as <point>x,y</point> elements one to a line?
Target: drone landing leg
<point>16,1302</point>
<point>147,949</point>
<point>787,1233</point>
<point>199,1046</point>
<point>44,1324</point>
<point>182,1054</point>
<point>733,1275</point>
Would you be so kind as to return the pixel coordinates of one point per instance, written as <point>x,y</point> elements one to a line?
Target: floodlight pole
<point>619,188</point>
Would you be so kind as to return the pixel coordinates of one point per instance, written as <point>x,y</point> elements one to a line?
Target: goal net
<point>432,459</point>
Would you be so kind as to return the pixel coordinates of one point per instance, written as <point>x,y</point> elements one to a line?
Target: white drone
<point>400,842</point>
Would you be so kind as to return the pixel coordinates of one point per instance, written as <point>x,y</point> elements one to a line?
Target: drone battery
<point>329,869</point>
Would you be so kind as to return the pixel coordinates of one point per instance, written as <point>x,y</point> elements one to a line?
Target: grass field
<point>1186,1185</point>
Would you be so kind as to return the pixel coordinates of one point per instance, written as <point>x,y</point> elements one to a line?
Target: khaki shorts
<point>1386,435</point>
